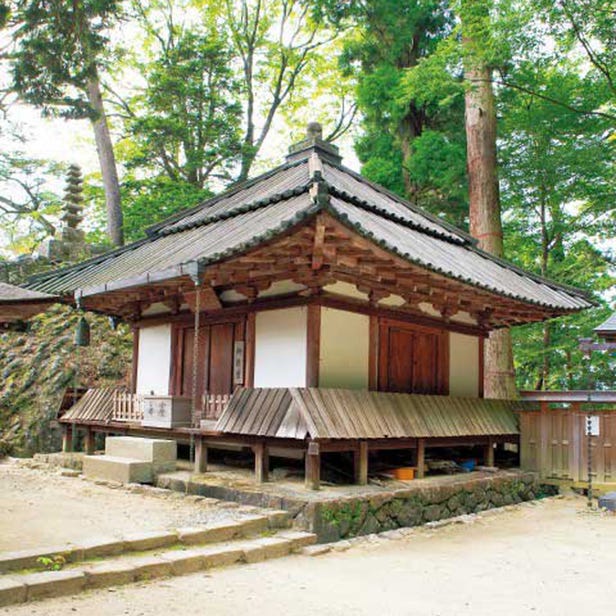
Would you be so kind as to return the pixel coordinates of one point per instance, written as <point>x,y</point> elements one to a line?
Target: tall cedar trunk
<point>106,158</point>
<point>484,214</point>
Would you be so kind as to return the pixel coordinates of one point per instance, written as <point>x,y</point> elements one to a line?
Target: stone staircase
<point>146,556</point>
<point>130,459</point>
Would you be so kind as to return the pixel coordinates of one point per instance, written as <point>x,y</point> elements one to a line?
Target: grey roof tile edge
<point>343,218</point>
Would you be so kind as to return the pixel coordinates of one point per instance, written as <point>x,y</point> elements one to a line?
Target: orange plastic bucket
<point>404,473</point>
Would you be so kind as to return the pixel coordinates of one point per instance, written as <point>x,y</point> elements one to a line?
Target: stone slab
<point>98,547</point>
<point>299,539</point>
<point>28,559</point>
<point>158,451</point>
<point>12,591</point>
<point>184,562</point>
<point>105,574</point>
<point>254,524</point>
<point>150,567</point>
<point>122,470</point>
<point>149,540</point>
<point>220,555</point>
<point>53,583</point>
<point>266,548</point>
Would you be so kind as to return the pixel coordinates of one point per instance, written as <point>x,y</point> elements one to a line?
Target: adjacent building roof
<point>607,329</point>
<point>300,413</point>
<point>17,303</point>
<point>311,181</point>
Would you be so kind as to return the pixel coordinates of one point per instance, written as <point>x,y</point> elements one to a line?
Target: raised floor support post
<point>488,456</point>
<point>67,438</point>
<point>200,455</point>
<point>313,466</point>
<point>261,462</point>
<point>89,445</point>
<point>361,463</point>
<point>421,458</point>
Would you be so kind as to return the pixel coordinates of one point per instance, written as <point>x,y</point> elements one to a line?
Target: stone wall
<point>422,502</point>
<point>372,510</point>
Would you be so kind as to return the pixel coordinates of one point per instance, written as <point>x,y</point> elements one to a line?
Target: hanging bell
<point>82,335</point>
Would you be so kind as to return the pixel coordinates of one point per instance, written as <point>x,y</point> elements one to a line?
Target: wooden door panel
<point>412,359</point>
<point>221,359</point>
<point>399,371</point>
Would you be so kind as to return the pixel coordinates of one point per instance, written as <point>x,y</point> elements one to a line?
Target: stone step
<point>120,469</point>
<point>158,451</point>
<point>133,568</point>
<point>101,547</point>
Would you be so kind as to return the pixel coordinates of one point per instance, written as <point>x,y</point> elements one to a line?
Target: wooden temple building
<point>307,310</point>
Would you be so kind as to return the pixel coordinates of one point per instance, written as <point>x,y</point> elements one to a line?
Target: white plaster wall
<point>463,365</point>
<point>154,359</point>
<point>280,347</point>
<point>345,345</point>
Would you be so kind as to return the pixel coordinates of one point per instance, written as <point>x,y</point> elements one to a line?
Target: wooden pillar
<point>261,462</point>
<point>488,456</point>
<point>313,466</point>
<point>361,463</point>
<point>421,457</point>
<point>313,345</point>
<point>89,442</point>
<point>200,455</point>
<point>67,438</point>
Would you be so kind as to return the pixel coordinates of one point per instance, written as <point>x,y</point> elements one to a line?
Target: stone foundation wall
<point>349,517</point>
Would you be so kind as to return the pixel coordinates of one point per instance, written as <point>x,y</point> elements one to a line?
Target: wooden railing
<point>127,407</point>
<point>214,405</point>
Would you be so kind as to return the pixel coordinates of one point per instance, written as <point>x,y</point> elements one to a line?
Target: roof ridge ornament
<point>313,143</point>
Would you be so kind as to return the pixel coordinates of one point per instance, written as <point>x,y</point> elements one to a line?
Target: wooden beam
<point>488,455</point>
<point>89,445</point>
<point>200,455</point>
<point>313,466</point>
<point>135,361</point>
<point>313,345</point>
<point>208,300</point>
<point>249,362</point>
<point>319,240</point>
<point>67,438</point>
<point>421,458</point>
<point>361,464</point>
<point>261,462</point>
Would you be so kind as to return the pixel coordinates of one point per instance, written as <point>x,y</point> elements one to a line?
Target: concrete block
<point>123,470</point>
<point>105,574</point>
<point>53,583</point>
<point>184,562</point>
<point>12,591</point>
<point>150,567</point>
<point>220,555</point>
<point>152,540</point>
<point>158,451</point>
<point>265,548</point>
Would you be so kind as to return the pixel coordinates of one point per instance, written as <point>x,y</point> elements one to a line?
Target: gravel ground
<point>40,508</point>
<point>552,559</point>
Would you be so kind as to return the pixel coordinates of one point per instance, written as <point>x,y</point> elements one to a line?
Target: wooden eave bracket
<point>208,300</point>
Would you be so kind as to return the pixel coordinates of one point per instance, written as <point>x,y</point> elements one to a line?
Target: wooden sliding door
<point>412,359</point>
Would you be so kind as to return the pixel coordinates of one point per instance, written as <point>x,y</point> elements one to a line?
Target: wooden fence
<point>127,407</point>
<point>214,405</point>
<point>553,442</point>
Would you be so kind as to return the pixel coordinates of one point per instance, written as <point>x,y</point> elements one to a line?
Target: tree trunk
<point>485,216</point>
<point>106,158</point>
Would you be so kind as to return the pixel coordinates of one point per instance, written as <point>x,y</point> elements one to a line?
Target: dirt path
<point>41,508</point>
<point>552,559</point>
